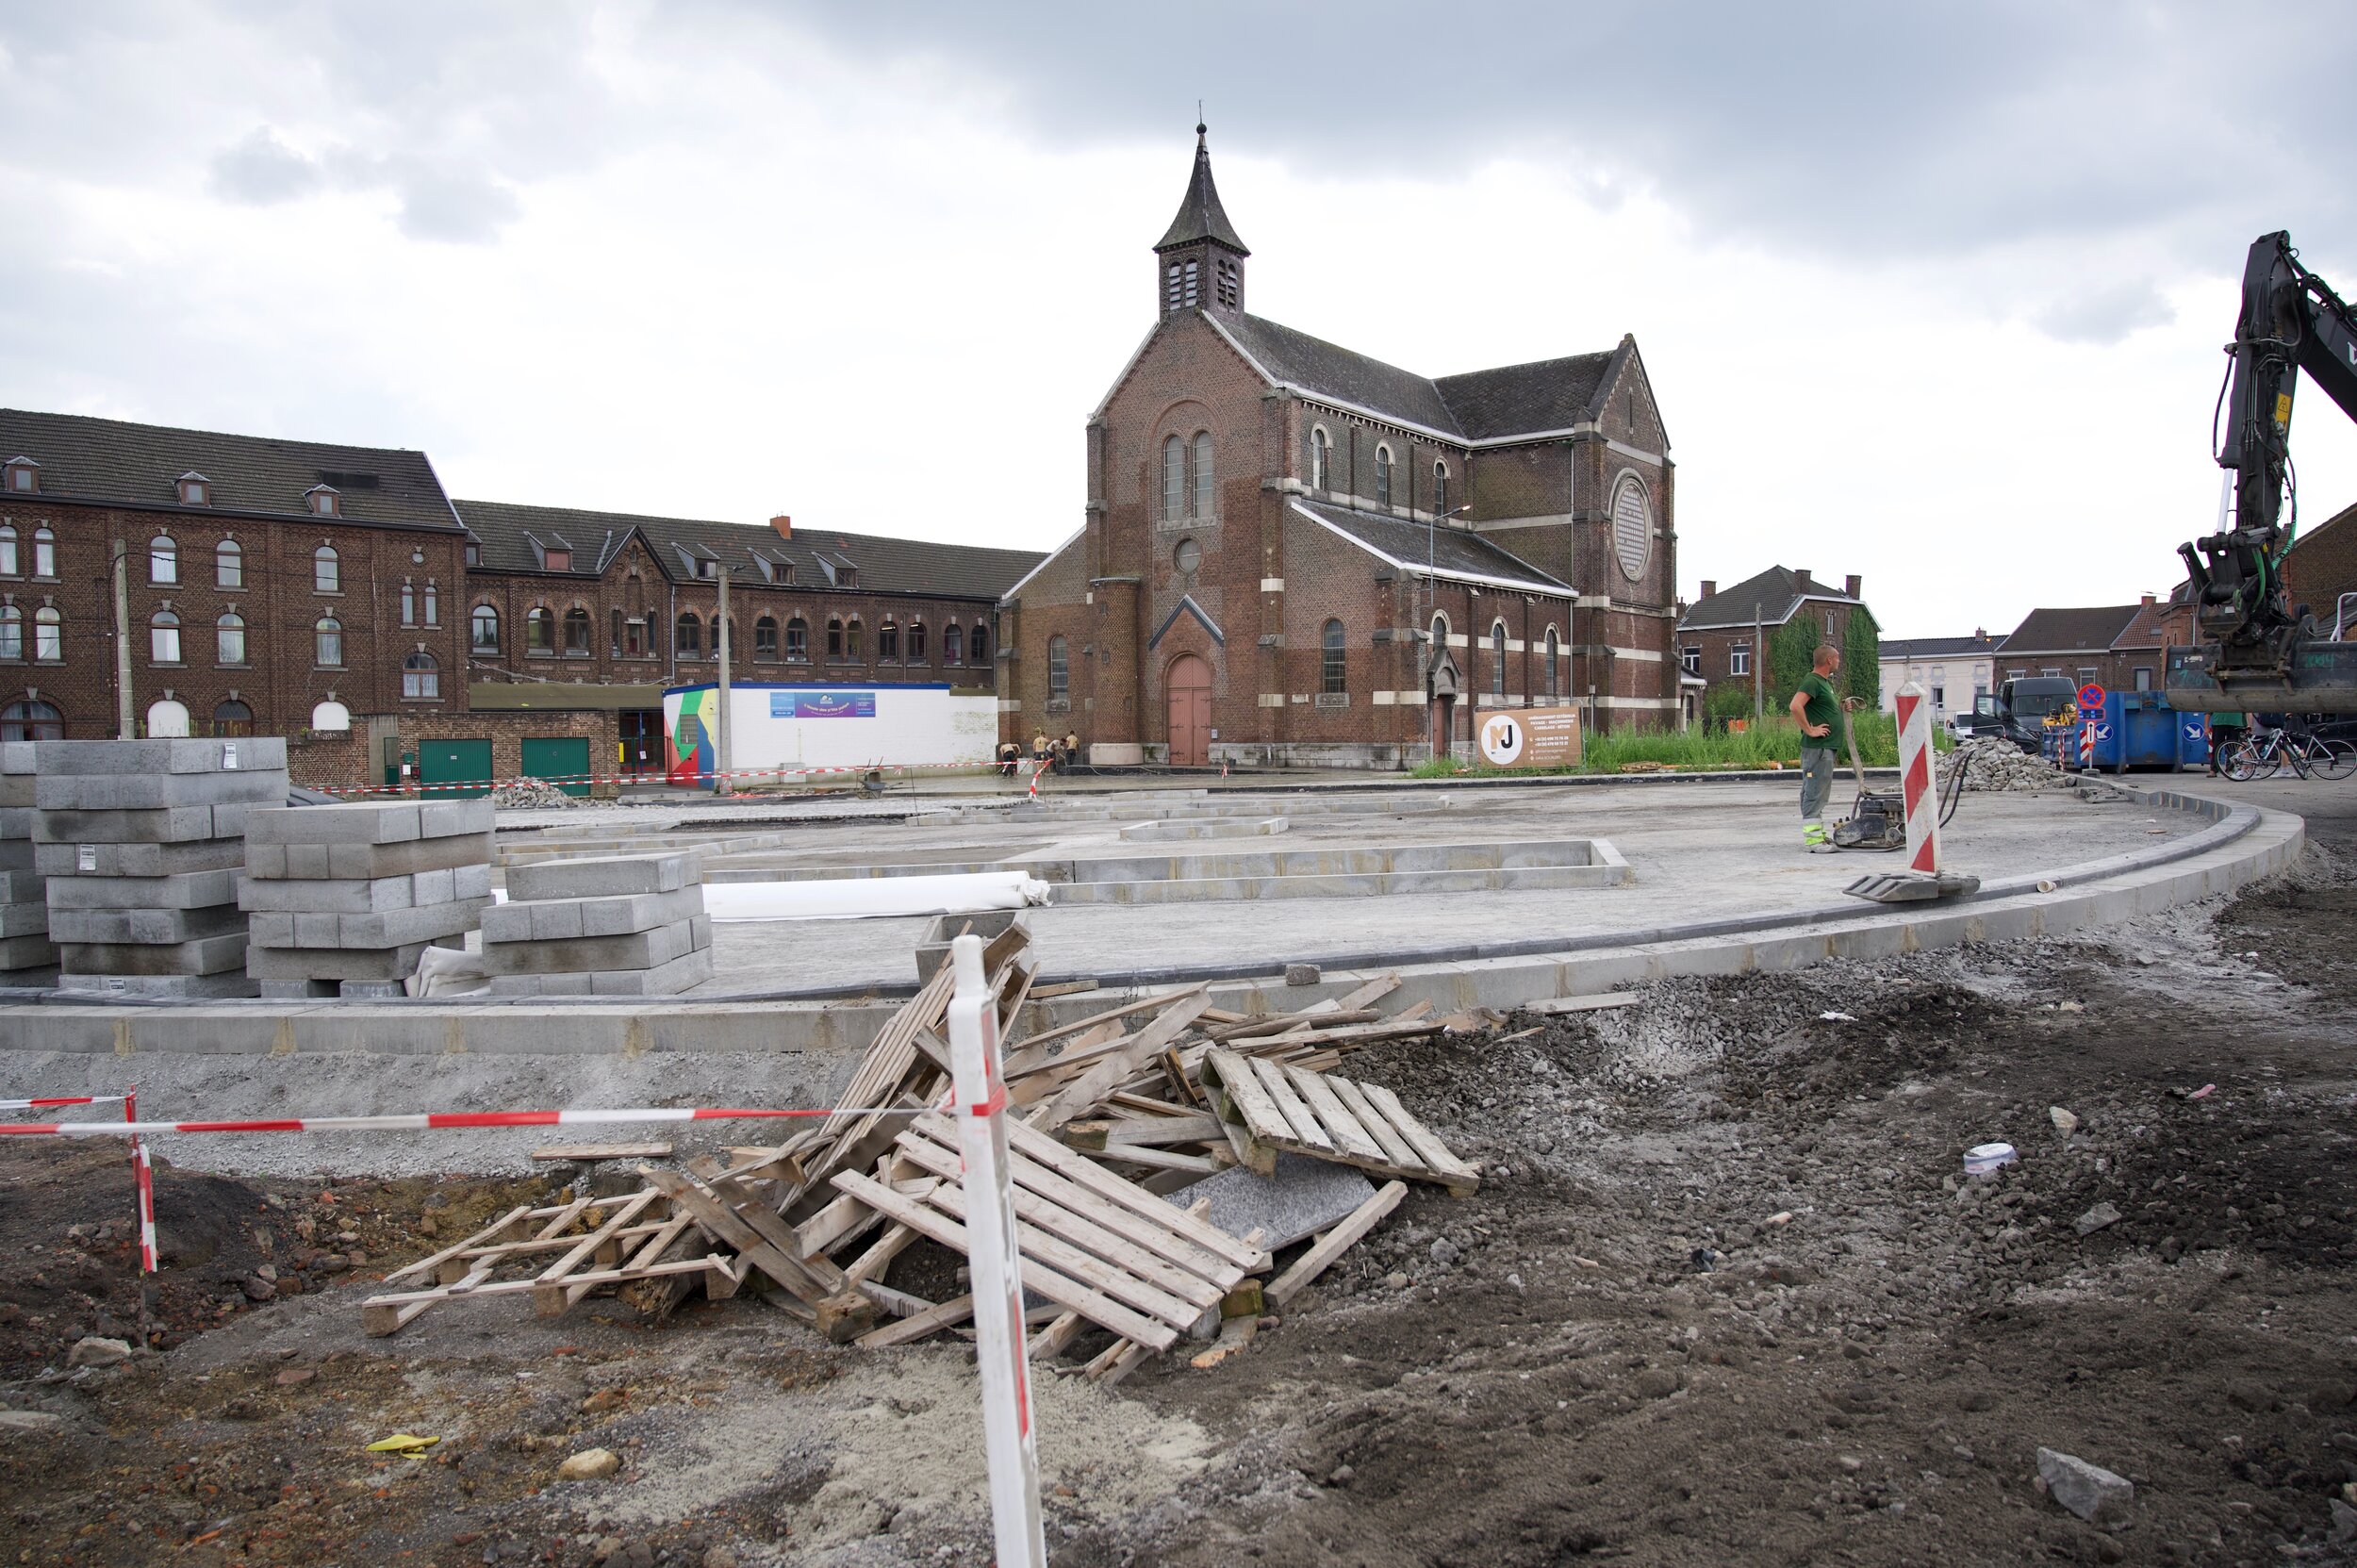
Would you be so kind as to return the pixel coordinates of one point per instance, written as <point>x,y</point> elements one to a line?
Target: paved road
<point>2329,805</point>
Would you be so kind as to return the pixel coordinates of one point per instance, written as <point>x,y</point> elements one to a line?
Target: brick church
<point>1294,554</point>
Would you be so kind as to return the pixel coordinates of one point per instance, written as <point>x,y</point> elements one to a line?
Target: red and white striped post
<point>994,1264</point>
<point>1916,781</point>
<point>143,1181</point>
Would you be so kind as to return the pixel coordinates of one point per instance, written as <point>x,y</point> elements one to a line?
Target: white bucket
<point>1985,1159</point>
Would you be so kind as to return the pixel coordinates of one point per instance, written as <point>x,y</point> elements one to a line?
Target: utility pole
<point>1759,664</point>
<point>124,726</point>
<point>721,715</point>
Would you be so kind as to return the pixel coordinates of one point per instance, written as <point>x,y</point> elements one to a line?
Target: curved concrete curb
<point>2241,844</point>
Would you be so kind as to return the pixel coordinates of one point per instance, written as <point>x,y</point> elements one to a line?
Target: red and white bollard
<point>2086,745</point>
<point>1916,781</point>
<point>995,1265</point>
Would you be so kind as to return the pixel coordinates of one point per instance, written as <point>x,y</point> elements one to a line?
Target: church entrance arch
<point>1188,685</point>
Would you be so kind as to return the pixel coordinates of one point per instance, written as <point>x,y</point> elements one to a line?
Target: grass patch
<point>1771,741</point>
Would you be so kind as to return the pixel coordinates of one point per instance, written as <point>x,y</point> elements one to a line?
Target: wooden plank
<point>1460,1177</point>
<point>481,1238</point>
<point>591,1153</point>
<point>1163,1159</point>
<point>723,1222</point>
<point>1333,1243</point>
<point>1052,1340</point>
<point>1097,1307</point>
<point>1353,1034</point>
<point>1012,996</point>
<point>749,1207</point>
<point>1368,994</point>
<point>517,1287</point>
<point>871,1264</point>
<point>1395,1148</point>
<point>1161,1132</point>
<point>1062,988</point>
<point>1335,1116</point>
<point>1278,1023</point>
<point>1096,1256</point>
<point>1125,1358</point>
<point>1033,1053</point>
<point>1290,1106</point>
<point>1241,1086</point>
<point>549,1298</point>
<point>1044,1158</point>
<point>1582,1005</point>
<point>1042,1079</point>
<point>1084,1092</point>
<point>947,1316</point>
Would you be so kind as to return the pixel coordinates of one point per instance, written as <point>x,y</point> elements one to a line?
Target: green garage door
<point>564,757</point>
<point>455,769</point>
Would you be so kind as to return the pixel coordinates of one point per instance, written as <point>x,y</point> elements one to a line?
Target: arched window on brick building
<point>577,633</point>
<point>539,632</point>
<point>688,637</point>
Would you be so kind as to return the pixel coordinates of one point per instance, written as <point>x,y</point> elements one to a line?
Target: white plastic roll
<point>865,897</point>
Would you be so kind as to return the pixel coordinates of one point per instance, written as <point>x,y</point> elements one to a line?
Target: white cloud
<point>694,259</point>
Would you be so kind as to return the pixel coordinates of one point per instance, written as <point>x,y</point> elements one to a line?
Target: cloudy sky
<point>1934,293</point>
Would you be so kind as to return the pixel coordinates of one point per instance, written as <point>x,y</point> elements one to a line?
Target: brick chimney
<point>1854,585</point>
<point>1710,586</point>
<point>1801,583</point>
<point>2148,601</point>
<point>784,527</point>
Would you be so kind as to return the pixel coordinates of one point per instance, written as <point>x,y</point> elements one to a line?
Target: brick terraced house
<point>1294,554</point>
<point>1722,634</point>
<point>336,595</point>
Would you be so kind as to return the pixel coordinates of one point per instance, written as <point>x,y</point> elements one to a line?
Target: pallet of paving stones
<point>1125,1157</point>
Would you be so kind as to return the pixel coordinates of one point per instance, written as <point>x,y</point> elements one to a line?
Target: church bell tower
<point>1198,265</point>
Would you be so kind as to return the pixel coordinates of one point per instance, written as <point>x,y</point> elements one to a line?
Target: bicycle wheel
<point>2242,762</point>
<point>2334,759</point>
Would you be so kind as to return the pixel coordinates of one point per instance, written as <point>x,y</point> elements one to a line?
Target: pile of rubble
<point>531,795</point>
<point>1164,1150</point>
<point>1992,762</point>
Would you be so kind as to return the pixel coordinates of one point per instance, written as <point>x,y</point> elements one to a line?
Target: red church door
<point>1189,686</point>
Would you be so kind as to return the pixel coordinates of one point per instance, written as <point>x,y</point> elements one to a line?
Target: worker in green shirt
<point>1820,710</point>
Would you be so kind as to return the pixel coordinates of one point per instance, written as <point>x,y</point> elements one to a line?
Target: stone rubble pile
<point>142,844</point>
<point>532,795</point>
<point>1994,763</point>
<point>342,899</point>
<point>607,926</point>
<point>26,955</point>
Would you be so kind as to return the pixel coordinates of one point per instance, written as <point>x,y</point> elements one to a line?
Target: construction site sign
<point>1531,737</point>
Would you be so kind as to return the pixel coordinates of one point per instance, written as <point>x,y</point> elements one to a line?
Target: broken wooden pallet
<point>1267,1106</point>
<point>1093,1243</point>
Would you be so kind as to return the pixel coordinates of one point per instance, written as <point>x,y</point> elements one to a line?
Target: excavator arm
<point>2256,653</point>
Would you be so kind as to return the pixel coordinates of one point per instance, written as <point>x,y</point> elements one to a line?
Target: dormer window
<point>706,567</point>
<point>325,501</point>
<point>558,560</point>
<point>475,552</point>
<point>195,490</point>
<point>23,476</point>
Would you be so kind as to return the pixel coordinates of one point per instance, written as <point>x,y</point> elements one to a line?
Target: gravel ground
<point>1725,1296</point>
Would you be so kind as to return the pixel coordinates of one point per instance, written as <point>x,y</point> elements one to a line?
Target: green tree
<point>1791,648</point>
<point>1861,659</point>
<point>1729,699</point>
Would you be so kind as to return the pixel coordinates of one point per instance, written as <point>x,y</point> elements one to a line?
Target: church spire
<point>1199,259</point>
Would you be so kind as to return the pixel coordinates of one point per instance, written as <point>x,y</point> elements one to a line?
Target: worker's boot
<point>1817,840</point>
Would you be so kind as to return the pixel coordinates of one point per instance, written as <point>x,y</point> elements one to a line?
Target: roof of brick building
<point>1979,644</point>
<point>516,537</point>
<point>1200,216</point>
<point>2089,629</point>
<point>1768,598</point>
<point>116,462</point>
<point>1546,395</point>
<point>1451,553</point>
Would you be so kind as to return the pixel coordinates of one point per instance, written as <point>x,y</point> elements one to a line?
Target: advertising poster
<point>1531,737</point>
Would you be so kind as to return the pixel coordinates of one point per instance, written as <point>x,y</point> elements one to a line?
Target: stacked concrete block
<point>26,955</point>
<point>615,926</point>
<point>342,900</point>
<point>140,844</point>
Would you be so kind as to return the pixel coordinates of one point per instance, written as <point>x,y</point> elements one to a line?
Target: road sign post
<point>995,1266</point>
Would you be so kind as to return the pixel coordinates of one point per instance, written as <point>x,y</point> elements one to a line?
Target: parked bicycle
<point>2259,753</point>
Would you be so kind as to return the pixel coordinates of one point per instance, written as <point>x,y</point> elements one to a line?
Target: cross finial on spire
<point>1200,128</point>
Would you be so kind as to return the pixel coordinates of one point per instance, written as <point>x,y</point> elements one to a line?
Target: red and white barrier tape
<point>66,1099</point>
<point>426,1121</point>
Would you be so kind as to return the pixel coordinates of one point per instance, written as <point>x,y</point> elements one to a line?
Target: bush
<point>1773,739</point>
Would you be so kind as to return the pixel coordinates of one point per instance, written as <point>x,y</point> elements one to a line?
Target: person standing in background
<point>1821,713</point>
